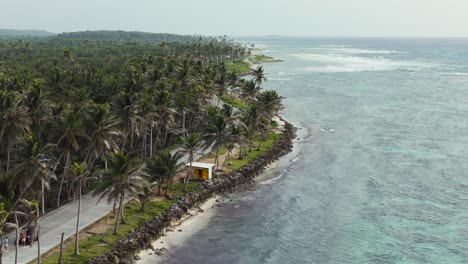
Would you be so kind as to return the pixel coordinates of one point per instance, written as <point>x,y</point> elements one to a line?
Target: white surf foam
<point>328,63</point>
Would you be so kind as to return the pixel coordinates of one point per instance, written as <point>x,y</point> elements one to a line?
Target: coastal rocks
<point>141,239</point>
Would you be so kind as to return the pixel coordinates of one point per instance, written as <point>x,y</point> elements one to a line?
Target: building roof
<point>201,165</point>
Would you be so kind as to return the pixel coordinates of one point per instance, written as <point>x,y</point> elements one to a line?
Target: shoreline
<point>190,224</point>
<point>179,232</point>
<point>127,249</point>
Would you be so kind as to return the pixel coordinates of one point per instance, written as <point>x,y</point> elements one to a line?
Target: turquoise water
<point>379,174</point>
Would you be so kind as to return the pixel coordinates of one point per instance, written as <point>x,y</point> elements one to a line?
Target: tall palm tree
<point>36,100</point>
<point>36,169</point>
<point>270,103</point>
<point>105,134</point>
<point>259,76</point>
<point>120,179</point>
<point>14,120</point>
<point>249,90</point>
<point>191,144</point>
<point>80,173</point>
<point>72,129</point>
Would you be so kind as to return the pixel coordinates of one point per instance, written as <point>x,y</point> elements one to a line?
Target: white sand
<point>189,225</point>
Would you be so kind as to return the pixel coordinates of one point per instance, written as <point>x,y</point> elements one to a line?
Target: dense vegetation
<point>99,114</point>
<point>24,33</point>
<point>118,35</point>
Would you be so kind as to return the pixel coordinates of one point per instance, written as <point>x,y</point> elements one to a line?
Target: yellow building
<point>201,171</point>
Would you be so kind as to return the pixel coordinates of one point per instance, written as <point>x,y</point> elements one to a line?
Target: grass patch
<point>177,188</point>
<point>266,145</point>
<point>259,58</point>
<point>98,244</point>
<point>234,102</point>
<point>238,66</point>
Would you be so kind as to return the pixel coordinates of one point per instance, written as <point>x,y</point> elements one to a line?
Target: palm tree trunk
<point>151,142</point>
<point>169,180</point>
<point>63,178</point>
<point>122,199</point>
<point>8,153</point>
<point>228,156</point>
<point>165,137</point>
<point>77,251</point>
<point>38,245</point>
<point>259,145</point>
<point>217,158</point>
<point>116,227</point>
<point>17,239</point>
<point>1,249</point>
<point>159,186</point>
<point>188,175</point>
<point>61,249</point>
<point>113,207</point>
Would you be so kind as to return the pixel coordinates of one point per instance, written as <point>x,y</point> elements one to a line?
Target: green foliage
<point>127,36</point>
<point>24,33</point>
<point>234,102</point>
<point>238,67</point>
<point>266,145</point>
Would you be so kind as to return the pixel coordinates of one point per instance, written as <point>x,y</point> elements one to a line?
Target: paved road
<point>57,221</point>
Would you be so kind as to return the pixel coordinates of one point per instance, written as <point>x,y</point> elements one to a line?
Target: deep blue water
<point>379,174</point>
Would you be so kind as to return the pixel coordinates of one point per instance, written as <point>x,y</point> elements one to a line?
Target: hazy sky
<point>244,17</point>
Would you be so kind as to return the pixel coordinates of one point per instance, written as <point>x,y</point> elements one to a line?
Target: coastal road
<point>54,223</point>
<point>63,220</point>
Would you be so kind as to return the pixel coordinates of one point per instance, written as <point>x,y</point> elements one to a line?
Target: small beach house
<point>202,171</point>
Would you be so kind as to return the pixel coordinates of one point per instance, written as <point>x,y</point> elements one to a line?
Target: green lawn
<point>239,163</point>
<point>238,66</point>
<point>259,58</point>
<point>234,102</point>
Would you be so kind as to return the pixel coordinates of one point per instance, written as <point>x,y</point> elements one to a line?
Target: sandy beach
<point>195,220</point>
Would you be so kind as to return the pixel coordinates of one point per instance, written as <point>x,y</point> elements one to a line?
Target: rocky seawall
<point>126,249</point>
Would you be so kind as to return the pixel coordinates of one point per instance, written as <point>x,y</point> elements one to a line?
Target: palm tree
<point>270,103</point>
<point>35,168</point>
<point>259,76</point>
<point>105,133</point>
<point>191,144</point>
<point>36,100</point>
<point>249,90</point>
<point>120,179</point>
<point>14,120</point>
<point>164,165</point>
<point>72,129</point>
<point>164,107</point>
<point>145,191</point>
<point>80,174</point>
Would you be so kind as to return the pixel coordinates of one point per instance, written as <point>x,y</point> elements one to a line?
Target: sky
<point>345,18</point>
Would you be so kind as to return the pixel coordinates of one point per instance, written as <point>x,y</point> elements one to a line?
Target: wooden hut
<point>201,171</point>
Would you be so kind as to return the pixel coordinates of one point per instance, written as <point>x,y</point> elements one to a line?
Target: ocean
<point>379,173</point>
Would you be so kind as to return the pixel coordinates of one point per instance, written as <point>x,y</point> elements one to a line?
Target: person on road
<point>5,244</point>
<point>23,237</point>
